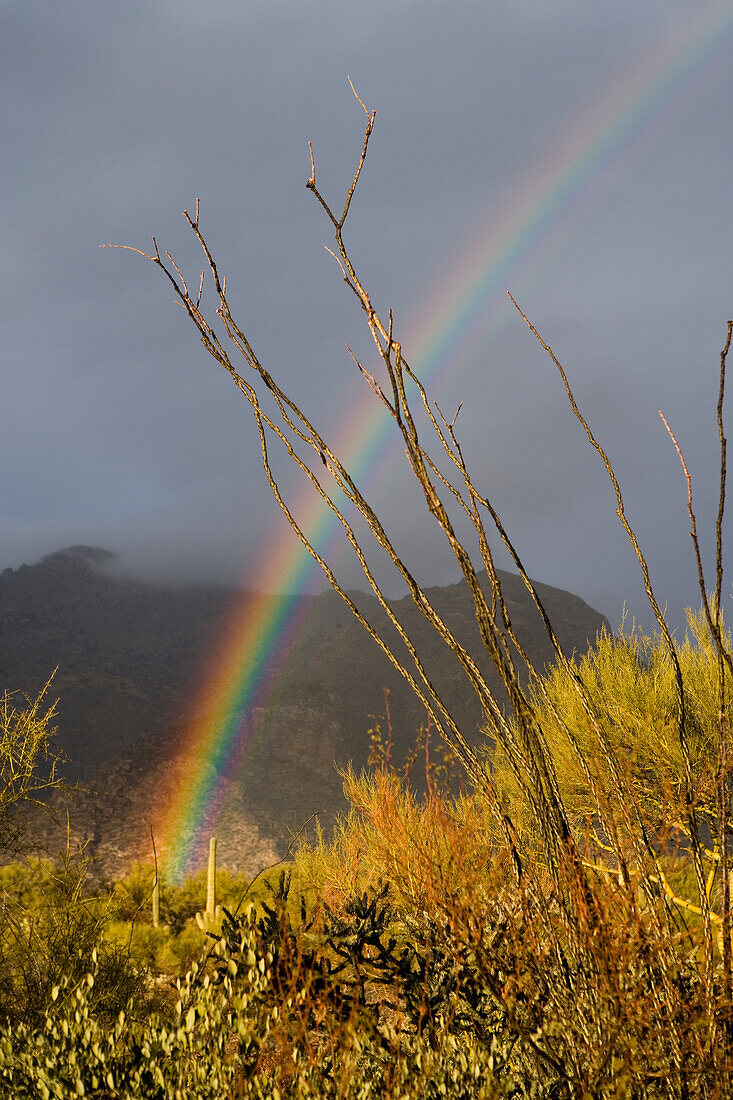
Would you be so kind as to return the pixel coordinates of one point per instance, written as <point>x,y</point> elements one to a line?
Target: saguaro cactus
<point>211,880</point>
<point>211,919</point>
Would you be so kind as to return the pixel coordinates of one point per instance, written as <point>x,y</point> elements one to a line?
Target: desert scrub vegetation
<point>29,760</point>
<point>401,957</point>
<point>53,927</point>
<point>57,915</point>
<point>560,929</point>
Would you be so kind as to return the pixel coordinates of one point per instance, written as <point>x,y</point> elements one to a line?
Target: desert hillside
<point>130,657</point>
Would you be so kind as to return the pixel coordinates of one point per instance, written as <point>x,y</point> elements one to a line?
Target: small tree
<point>49,927</point>
<point>29,760</point>
<point>546,844</point>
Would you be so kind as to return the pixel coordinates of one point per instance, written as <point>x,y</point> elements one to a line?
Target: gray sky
<point>116,428</point>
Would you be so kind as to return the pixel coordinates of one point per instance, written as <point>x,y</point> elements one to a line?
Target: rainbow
<point>514,244</point>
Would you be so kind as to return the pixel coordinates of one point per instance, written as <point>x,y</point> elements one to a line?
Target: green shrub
<point>638,774</point>
<point>50,929</point>
<point>29,761</point>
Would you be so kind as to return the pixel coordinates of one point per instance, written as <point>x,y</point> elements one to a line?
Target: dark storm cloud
<point>116,428</point>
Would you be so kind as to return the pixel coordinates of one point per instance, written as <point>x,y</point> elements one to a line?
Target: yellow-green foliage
<point>629,682</point>
<point>51,925</point>
<point>28,759</point>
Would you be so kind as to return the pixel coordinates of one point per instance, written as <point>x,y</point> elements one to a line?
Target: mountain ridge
<point>133,656</point>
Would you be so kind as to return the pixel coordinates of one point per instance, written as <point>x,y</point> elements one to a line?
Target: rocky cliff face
<point>129,656</point>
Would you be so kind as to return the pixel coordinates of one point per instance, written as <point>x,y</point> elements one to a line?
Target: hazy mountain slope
<point>127,653</point>
<point>131,656</point>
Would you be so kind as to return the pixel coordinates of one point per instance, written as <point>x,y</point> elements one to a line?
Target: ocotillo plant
<point>156,900</point>
<point>558,867</point>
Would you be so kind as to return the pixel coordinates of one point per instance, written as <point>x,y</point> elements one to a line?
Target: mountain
<point>132,659</point>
